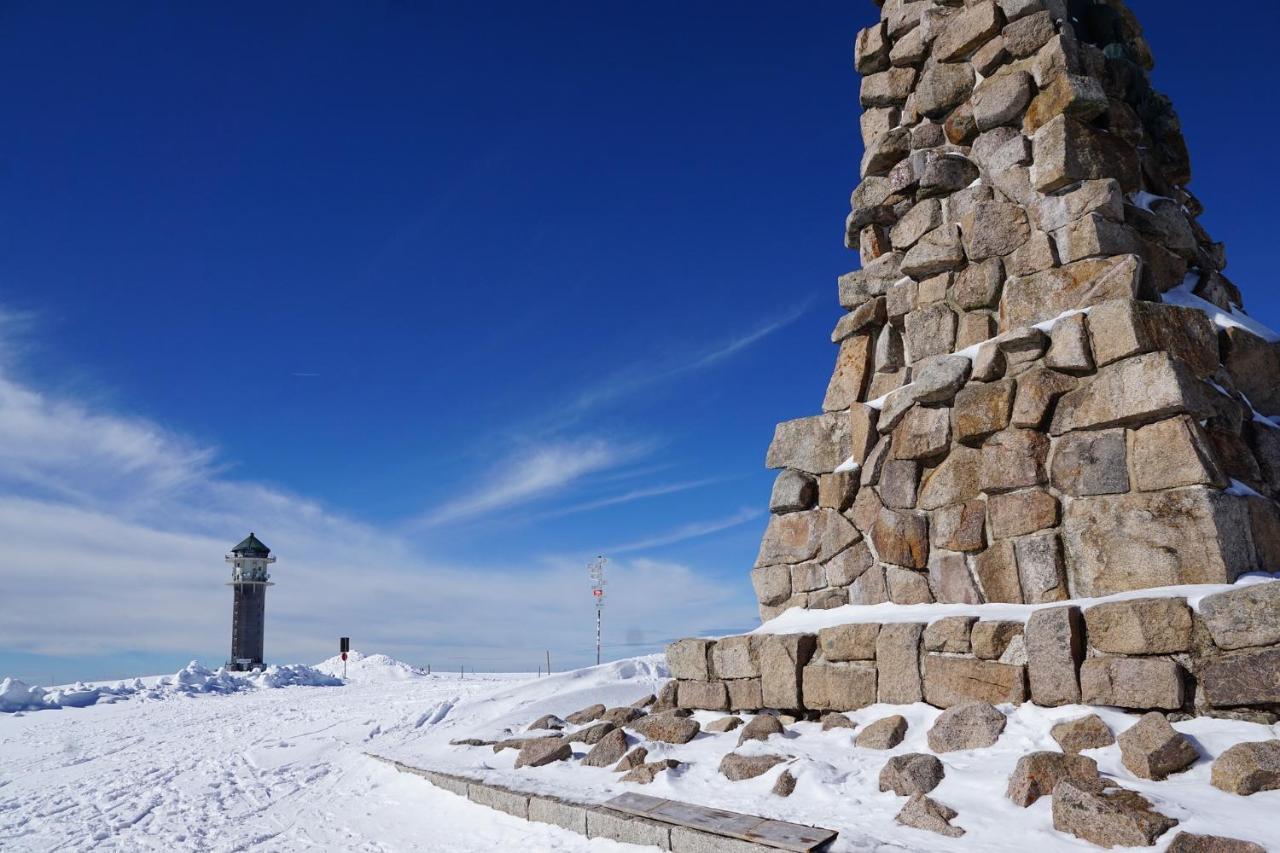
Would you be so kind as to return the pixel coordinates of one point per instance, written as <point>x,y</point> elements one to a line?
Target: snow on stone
<point>1183,295</point>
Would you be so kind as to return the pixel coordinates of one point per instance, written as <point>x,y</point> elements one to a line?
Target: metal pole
<point>598,636</point>
<point>548,661</point>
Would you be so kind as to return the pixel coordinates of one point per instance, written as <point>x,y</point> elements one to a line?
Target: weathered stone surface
<point>870,587</point>
<point>793,491</point>
<point>901,538</point>
<point>950,681</point>
<point>772,584</point>
<point>1028,34</point>
<point>706,695</point>
<point>938,251</point>
<point>912,773</point>
<point>761,727</point>
<point>978,285</point>
<point>1087,732</point>
<point>646,773</point>
<point>970,725</point>
<point>865,318</point>
<point>938,381</point>
<point>1185,842</point>
<point>930,331</point>
<point>1140,626</point>
<point>1172,453</point>
<point>807,577</point>
<point>1044,295</point>
<point>1116,543</point>
<point>898,663</point>
<point>847,566</point>
<point>849,642</point>
<point>1243,678</point>
<point>849,379</point>
<point>593,712</point>
<point>1041,571</point>
<point>991,638</point>
<point>884,733</point>
<point>1020,513</point>
<point>921,812</point>
<point>966,32</point>
<point>1253,365</point>
<point>686,659</point>
<point>722,725</point>
<point>815,445</point>
<point>1002,100</point>
<point>887,88</point>
<point>997,573</point>
<point>1067,151</point>
<point>667,727</point>
<point>871,50</point>
<point>839,686</point>
<point>875,278</point>
<point>949,579</point>
<point>1076,95</point>
<point>837,491</point>
<point>836,721</point>
<point>1069,349</point>
<point>924,433</point>
<point>1124,328</point>
<point>1014,459</point>
<point>1055,647</point>
<point>956,480</point>
<point>666,699</point>
<point>799,537</point>
<point>782,657</point>
<point>745,694</point>
<point>1248,768</point>
<point>1244,617</point>
<point>949,634</point>
<point>1139,683</point>
<point>983,408</point>
<point>608,750</point>
<point>914,224</point>
<point>885,151</point>
<point>592,734</point>
<point>907,586</point>
<point>1038,772</point>
<point>734,657</point>
<point>1091,463</point>
<point>943,87</point>
<point>551,721</point>
<point>1114,818</point>
<point>541,751</point>
<point>959,527</point>
<point>1135,391</point>
<point>1038,391</point>
<point>785,786</point>
<point>994,229</point>
<point>736,768</point>
<point>1153,749</point>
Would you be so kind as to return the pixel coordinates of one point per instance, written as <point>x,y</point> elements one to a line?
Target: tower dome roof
<point>251,546</point>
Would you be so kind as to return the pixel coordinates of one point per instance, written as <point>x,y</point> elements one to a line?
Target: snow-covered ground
<point>285,768</point>
<point>257,769</point>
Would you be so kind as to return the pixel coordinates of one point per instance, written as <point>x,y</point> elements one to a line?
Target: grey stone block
<point>500,799</point>
<point>444,781</point>
<point>558,812</point>
<point>607,823</point>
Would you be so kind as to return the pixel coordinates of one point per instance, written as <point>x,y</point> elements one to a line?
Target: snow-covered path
<point>274,770</point>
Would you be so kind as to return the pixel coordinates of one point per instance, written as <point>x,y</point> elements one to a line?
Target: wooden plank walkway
<point>759,830</point>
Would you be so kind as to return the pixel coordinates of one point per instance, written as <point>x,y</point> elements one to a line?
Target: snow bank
<point>368,669</point>
<point>192,680</point>
<point>1183,295</point>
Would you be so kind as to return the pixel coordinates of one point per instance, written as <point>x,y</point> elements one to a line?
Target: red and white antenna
<point>595,569</point>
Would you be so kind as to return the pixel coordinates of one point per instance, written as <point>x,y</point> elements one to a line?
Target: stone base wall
<point>1141,654</point>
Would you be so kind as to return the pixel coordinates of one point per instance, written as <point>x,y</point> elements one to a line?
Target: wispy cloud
<point>627,382</point>
<point>685,532</point>
<point>532,473</point>
<point>625,498</point>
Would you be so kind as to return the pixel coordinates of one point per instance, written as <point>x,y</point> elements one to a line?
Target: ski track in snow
<point>268,770</point>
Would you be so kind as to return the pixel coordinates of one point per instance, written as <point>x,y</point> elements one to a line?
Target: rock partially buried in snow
<point>1185,842</point>
<point>786,784</point>
<point>760,728</point>
<point>592,734</point>
<point>1248,768</point>
<point>1038,773</point>
<point>1114,818</point>
<point>644,701</point>
<point>724,724</point>
<point>885,733</point>
<point>1088,732</point>
<point>522,742</point>
<point>471,741</point>
<point>971,725</point>
<point>646,773</point>
<point>736,767</point>
<point>913,773</point>
<point>608,750</point>
<point>920,812</point>
<point>1152,749</point>
<point>631,760</point>
<point>546,722</point>
<point>622,716</point>
<point>667,727</point>
<point>835,721</point>
<point>542,751</point>
<point>586,715</point>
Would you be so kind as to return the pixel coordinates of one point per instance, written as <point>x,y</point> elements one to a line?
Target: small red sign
<point>344,656</point>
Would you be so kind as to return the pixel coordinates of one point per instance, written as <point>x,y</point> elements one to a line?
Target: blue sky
<point>441,300</point>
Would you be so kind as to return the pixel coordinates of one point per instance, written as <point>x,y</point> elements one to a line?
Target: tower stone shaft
<point>249,581</point>
<point>1046,387</point>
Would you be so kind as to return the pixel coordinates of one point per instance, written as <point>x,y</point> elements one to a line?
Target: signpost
<point>344,646</point>
<point>596,571</point>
